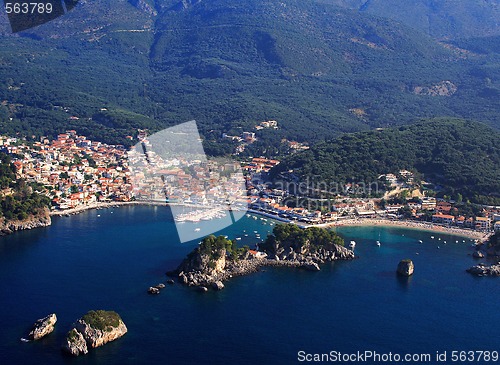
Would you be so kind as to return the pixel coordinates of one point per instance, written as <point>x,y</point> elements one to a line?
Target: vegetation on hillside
<point>318,69</point>
<point>440,19</point>
<point>102,320</point>
<point>18,201</point>
<point>460,156</point>
<point>291,235</point>
<point>214,247</point>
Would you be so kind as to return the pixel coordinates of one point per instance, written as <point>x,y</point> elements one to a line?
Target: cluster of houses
<point>72,169</point>
<point>185,180</point>
<point>76,171</point>
<point>443,215</point>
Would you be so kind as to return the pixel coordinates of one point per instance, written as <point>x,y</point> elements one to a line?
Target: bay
<point>106,259</point>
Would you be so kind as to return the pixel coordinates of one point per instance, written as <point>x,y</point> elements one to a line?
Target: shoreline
<point>364,222</point>
<point>106,205</point>
<point>422,226</point>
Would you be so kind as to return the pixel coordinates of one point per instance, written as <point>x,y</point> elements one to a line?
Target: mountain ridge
<point>319,69</point>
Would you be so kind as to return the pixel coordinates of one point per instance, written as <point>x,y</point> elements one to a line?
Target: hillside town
<point>76,173</point>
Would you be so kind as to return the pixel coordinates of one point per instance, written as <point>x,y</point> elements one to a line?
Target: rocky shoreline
<point>485,270</point>
<point>210,268</point>
<point>40,220</point>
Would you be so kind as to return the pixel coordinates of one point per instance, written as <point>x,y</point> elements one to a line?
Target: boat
<point>197,229</point>
<point>378,243</point>
<point>238,238</point>
<point>352,244</point>
<point>420,241</point>
<point>432,237</point>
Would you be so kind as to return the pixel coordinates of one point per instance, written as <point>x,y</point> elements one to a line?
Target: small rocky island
<point>406,267</point>
<point>218,259</point>
<point>43,327</point>
<point>94,329</point>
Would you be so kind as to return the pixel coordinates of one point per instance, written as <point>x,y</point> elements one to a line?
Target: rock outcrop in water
<point>485,270</point>
<point>42,219</point>
<point>75,344</point>
<point>217,259</point>
<point>96,328</point>
<point>406,267</point>
<point>43,327</point>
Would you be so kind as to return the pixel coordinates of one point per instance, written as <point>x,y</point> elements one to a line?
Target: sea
<point>107,259</point>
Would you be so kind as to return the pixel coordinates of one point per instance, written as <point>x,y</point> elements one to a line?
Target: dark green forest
<point>299,239</point>
<point>319,69</point>
<point>462,157</point>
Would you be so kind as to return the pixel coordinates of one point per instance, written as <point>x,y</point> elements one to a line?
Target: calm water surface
<point>107,259</point>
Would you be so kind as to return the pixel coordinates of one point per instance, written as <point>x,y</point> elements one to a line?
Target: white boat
<point>378,243</point>
<point>420,241</point>
<point>197,229</point>
<point>432,237</point>
<point>352,244</point>
<point>238,238</point>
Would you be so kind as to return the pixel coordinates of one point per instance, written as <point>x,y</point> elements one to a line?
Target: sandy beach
<point>408,224</point>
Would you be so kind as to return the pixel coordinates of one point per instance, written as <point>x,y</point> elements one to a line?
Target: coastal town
<point>77,174</point>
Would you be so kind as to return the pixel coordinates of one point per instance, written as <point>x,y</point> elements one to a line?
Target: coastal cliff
<point>94,329</point>
<point>42,219</point>
<point>217,259</point>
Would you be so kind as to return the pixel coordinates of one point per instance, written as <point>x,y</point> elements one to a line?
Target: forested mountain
<point>461,156</point>
<point>449,19</point>
<point>318,68</point>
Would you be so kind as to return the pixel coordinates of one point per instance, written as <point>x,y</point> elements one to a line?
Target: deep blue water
<point>88,262</point>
